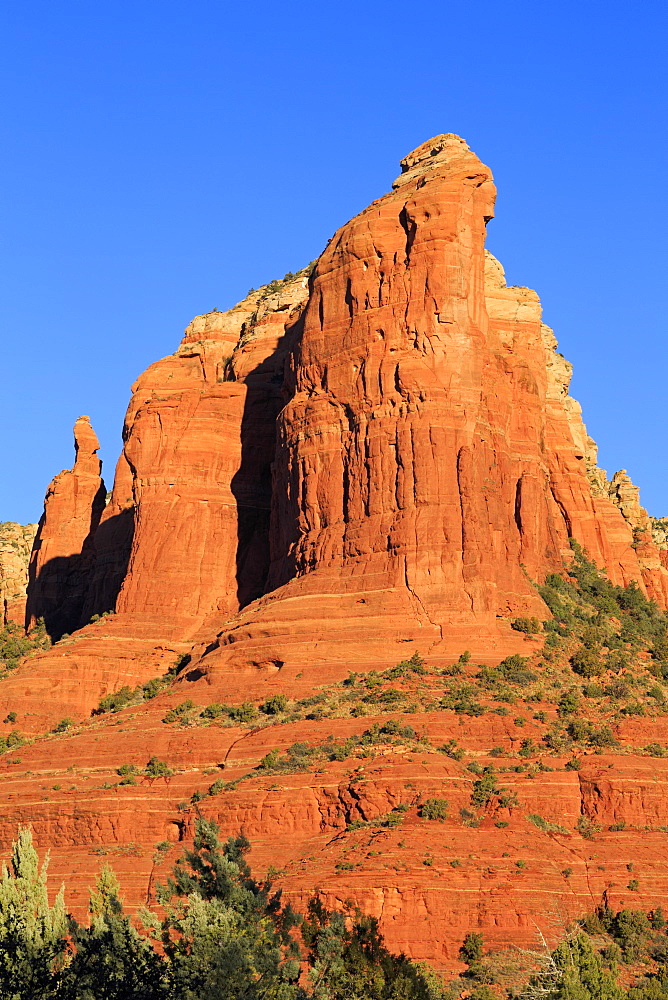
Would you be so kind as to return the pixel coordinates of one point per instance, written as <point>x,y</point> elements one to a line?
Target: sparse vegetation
<point>15,643</point>
<point>434,809</point>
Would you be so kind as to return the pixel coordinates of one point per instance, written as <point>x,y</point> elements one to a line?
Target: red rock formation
<point>200,441</point>
<point>343,468</point>
<point>63,551</point>
<point>430,463</point>
<point>185,531</point>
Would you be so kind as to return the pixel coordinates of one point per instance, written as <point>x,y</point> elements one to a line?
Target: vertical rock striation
<point>430,463</point>
<point>16,542</point>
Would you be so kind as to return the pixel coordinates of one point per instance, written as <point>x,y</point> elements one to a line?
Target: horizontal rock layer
<point>376,455</point>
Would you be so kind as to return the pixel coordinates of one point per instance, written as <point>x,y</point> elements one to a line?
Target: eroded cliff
<point>376,455</point>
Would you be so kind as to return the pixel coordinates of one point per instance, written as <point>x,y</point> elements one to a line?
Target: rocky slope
<point>374,456</point>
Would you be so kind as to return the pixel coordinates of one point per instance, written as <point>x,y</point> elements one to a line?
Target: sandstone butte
<point>375,456</point>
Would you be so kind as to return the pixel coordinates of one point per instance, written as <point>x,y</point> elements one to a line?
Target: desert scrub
<point>157,768</point>
<point>384,820</point>
<point>484,789</point>
<point>180,711</point>
<point>436,809</point>
<point>126,696</point>
<point>530,626</point>
<point>545,825</point>
<point>275,705</point>
<point>63,725</point>
<point>14,739</point>
<point>16,643</point>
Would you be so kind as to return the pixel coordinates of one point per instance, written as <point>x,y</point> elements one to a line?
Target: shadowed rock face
<point>375,457</point>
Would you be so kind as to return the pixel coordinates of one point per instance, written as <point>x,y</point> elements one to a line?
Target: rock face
<point>386,445</point>
<point>62,555</point>
<point>199,438</point>
<point>16,542</point>
<point>375,455</point>
<point>430,463</point>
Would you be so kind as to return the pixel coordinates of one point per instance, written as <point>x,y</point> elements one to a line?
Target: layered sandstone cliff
<point>386,445</point>
<point>376,455</point>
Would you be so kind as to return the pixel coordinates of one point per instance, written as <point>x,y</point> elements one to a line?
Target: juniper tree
<point>111,960</point>
<point>32,933</point>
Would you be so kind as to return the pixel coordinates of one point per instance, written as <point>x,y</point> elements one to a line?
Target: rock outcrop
<point>376,455</point>
<point>386,444</point>
<point>16,541</point>
<point>430,463</point>
<point>61,558</point>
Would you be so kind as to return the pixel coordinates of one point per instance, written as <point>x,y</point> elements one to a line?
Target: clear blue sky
<point>159,158</point>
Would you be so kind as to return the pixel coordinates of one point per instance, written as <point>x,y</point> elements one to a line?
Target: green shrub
<point>270,760</point>
<point>568,703</point>
<point>484,788</point>
<point>472,947</point>
<point>633,708</point>
<point>545,825</point>
<point>152,688</point>
<point>245,712</point>
<point>10,717</point>
<point>587,663</point>
<point>587,828</point>
<point>617,689</point>
<point>63,725</point>
<point>603,737</point>
<point>179,711</point>
<point>13,739</point>
<point>434,809</point>
<point>452,749</point>
<point>116,701</point>
<point>579,729</point>
<point>157,768</point>
<point>275,705</point>
<point>214,710</point>
<point>527,625</point>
